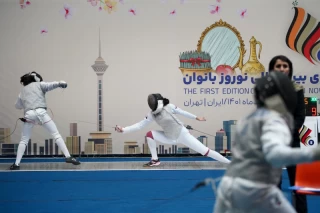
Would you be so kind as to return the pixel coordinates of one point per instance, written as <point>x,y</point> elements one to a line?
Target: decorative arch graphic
<point>303,35</point>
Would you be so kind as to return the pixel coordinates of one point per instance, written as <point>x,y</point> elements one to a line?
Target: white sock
<point>153,148</point>
<point>20,152</point>
<point>62,146</point>
<point>215,155</point>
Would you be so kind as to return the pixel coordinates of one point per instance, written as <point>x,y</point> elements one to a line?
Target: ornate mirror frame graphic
<point>221,23</point>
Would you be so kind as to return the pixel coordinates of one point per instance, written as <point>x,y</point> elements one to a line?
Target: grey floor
<point>85,166</point>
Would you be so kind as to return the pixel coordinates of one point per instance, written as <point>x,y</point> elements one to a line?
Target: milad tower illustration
<point>99,68</point>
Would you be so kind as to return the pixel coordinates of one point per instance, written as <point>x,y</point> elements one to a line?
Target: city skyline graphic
<point>100,141</point>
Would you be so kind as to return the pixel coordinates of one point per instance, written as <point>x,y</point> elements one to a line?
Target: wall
<point>142,52</point>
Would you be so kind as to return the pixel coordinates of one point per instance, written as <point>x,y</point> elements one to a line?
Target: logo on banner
<point>304,135</point>
<point>303,35</point>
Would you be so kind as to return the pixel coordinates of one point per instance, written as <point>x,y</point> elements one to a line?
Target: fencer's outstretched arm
<point>18,103</point>
<point>48,86</point>
<point>137,126</point>
<point>276,138</point>
<point>179,111</point>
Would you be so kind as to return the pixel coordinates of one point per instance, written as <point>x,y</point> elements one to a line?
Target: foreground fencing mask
<point>276,92</point>
<point>155,102</point>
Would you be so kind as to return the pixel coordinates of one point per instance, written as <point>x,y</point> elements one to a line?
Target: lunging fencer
<point>174,132</point>
<point>32,100</point>
<point>261,150</point>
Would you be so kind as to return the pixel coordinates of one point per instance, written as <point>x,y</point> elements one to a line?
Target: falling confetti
<point>110,6</point>
<point>173,12</point>
<point>214,9</point>
<point>67,11</point>
<point>121,1</point>
<point>182,1</point>
<point>93,2</point>
<point>132,11</point>
<point>219,1</point>
<point>43,31</point>
<point>243,13</point>
<point>24,4</point>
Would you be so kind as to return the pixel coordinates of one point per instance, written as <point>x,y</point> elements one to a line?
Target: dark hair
<point>282,58</point>
<point>29,78</point>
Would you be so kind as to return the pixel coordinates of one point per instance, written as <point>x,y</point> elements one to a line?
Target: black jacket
<point>298,115</point>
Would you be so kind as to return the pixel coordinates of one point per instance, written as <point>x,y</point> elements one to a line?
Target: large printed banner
<point>114,53</point>
<point>217,75</point>
<point>236,89</point>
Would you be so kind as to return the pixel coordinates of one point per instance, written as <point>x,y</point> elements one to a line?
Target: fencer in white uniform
<point>261,150</point>
<point>174,132</point>
<point>33,102</point>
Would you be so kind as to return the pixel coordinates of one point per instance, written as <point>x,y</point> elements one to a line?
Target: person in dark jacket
<point>283,64</point>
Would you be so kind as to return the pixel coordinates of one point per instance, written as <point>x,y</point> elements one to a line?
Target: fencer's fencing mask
<point>155,102</point>
<point>37,77</point>
<point>30,77</point>
<point>276,92</point>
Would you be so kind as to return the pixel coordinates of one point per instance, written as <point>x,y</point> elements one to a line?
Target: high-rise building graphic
<point>73,144</point>
<point>99,68</point>
<point>4,138</point>
<point>183,150</point>
<point>161,149</point>
<point>41,150</point>
<point>131,147</point>
<point>174,149</point>
<point>56,149</point>
<point>89,147</point>
<point>103,140</point>
<point>51,146</point>
<point>73,129</point>
<point>229,127</point>
<point>9,148</point>
<point>35,150</point>
<point>203,139</point>
<point>5,135</point>
<point>48,147</point>
<point>220,141</point>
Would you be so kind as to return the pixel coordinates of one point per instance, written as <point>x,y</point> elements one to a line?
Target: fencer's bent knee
<point>24,140</point>
<point>24,143</point>
<point>149,135</point>
<point>56,136</point>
